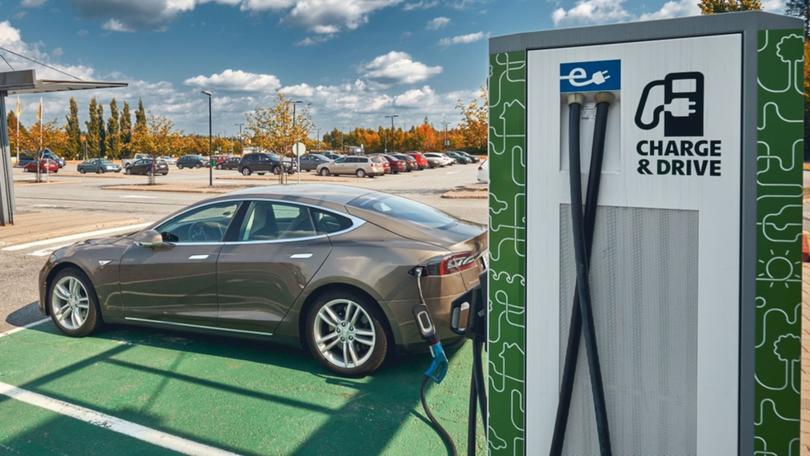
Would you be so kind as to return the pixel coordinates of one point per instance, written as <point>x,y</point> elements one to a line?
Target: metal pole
<point>210,146</point>
<point>295,143</point>
<point>6,179</point>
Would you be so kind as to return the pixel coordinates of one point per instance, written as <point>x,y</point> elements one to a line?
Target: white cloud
<point>398,67</point>
<point>114,25</point>
<point>236,81</point>
<point>422,4</point>
<point>774,6</point>
<point>302,90</point>
<point>591,12</point>
<point>437,22</point>
<point>9,36</point>
<point>415,97</point>
<point>462,39</point>
<point>32,3</point>
<point>673,8</point>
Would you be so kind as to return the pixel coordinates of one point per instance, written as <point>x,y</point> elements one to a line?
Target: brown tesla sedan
<point>328,267</point>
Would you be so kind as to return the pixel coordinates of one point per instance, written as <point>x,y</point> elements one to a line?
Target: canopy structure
<point>20,83</point>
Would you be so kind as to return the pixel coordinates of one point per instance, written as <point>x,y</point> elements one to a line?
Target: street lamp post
<point>295,140</point>
<point>210,140</point>
<point>241,141</point>
<point>392,117</point>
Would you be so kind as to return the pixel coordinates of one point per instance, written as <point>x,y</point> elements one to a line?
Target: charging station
<point>666,320</point>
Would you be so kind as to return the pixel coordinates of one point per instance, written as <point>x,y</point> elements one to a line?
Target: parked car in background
<point>459,158</point>
<point>144,167</point>
<point>46,165</point>
<point>381,160</point>
<point>397,165</point>
<point>24,160</point>
<point>435,160</point>
<point>98,166</point>
<point>262,163</point>
<point>483,172</point>
<point>410,162</point>
<point>169,160</point>
<point>473,158</point>
<point>47,153</point>
<point>128,161</point>
<point>348,300</point>
<point>229,163</point>
<point>421,161</point>
<point>310,162</point>
<point>191,161</point>
<point>360,166</point>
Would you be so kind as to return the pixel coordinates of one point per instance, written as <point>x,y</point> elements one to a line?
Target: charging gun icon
<point>682,108</point>
<point>578,77</point>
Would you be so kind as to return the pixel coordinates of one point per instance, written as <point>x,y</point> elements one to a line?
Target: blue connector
<point>438,367</point>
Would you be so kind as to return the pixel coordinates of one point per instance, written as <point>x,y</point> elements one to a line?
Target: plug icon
<point>681,107</point>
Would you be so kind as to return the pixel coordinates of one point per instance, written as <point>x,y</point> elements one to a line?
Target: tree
<point>125,129</point>
<point>73,131</point>
<point>102,134</point>
<point>113,138</point>
<point>800,8</point>
<point>271,127</point>
<point>474,125</point>
<point>160,137</point>
<point>728,6</point>
<point>93,125</point>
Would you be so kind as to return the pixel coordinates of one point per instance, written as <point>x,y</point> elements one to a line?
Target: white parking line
<point>47,250</point>
<point>29,325</point>
<point>110,422</point>
<point>139,196</point>
<point>75,237</point>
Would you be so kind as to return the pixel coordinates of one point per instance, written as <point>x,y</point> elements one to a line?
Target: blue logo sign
<point>590,76</point>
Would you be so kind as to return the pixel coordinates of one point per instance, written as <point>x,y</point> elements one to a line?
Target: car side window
<point>341,160</point>
<point>329,222</point>
<point>204,224</point>
<point>272,221</point>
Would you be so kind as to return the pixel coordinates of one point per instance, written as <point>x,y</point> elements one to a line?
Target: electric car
<point>334,269</point>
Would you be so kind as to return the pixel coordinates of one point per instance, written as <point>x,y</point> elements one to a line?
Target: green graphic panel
<point>507,244</point>
<point>779,228</point>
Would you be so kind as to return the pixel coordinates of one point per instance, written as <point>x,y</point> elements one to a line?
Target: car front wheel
<point>324,172</point>
<point>127,170</point>
<point>245,171</point>
<point>73,304</point>
<point>345,333</point>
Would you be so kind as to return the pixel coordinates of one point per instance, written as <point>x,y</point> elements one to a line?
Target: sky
<point>351,62</point>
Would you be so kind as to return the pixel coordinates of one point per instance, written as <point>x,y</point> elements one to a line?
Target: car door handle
<point>198,257</point>
<point>301,256</point>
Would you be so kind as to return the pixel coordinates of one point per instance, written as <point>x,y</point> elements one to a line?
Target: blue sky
<point>353,61</point>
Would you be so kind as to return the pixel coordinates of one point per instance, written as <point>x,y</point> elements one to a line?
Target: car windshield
<point>404,209</point>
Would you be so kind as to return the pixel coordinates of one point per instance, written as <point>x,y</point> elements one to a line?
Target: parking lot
<point>145,391</point>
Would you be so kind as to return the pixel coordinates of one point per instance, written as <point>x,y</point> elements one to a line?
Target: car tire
<point>179,166</point>
<point>367,317</point>
<point>83,302</point>
<point>99,171</point>
<point>127,170</point>
<point>324,172</point>
<point>82,171</point>
<point>198,166</point>
<point>276,170</point>
<point>360,173</point>
<point>246,171</point>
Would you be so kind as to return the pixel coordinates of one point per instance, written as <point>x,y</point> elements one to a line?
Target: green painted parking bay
<point>241,396</point>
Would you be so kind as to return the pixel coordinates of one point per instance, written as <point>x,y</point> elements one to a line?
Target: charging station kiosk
<point>695,261</point>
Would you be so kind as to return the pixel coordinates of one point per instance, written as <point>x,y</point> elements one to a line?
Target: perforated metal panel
<point>644,273</point>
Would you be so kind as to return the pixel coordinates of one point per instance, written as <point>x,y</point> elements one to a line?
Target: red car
<point>410,162</point>
<point>397,165</point>
<point>421,161</point>
<point>46,165</point>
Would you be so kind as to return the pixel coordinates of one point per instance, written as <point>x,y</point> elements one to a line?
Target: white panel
<point>716,198</point>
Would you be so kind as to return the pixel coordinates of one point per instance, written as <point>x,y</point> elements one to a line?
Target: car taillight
<point>451,264</point>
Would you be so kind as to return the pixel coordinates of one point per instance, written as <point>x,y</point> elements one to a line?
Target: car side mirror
<point>149,239</point>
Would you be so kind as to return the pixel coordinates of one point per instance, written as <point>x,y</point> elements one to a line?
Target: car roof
<point>306,193</point>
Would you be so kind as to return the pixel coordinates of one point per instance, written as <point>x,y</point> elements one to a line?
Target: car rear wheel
<point>127,170</point>
<point>245,171</point>
<point>345,333</point>
<point>73,304</point>
<point>360,173</point>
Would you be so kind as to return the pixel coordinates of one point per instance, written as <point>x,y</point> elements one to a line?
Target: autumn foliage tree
<point>728,6</point>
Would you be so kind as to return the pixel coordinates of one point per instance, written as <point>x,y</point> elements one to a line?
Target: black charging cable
<point>581,312</point>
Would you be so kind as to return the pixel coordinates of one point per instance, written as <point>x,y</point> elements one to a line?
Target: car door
<point>339,166</point>
<point>176,283</point>
<point>262,272</point>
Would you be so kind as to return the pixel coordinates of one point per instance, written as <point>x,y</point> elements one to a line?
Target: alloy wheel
<point>344,333</point>
<point>70,302</point>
